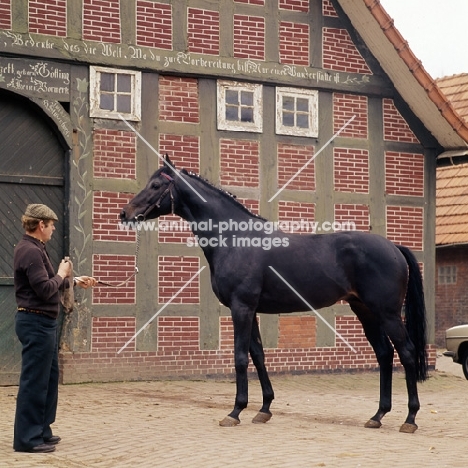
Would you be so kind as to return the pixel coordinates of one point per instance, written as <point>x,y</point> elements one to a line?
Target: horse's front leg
<point>242,320</point>
<point>258,358</point>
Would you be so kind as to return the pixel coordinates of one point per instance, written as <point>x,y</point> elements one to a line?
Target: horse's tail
<point>415,313</point>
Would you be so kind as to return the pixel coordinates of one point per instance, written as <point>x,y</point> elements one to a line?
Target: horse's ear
<point>168,163</point>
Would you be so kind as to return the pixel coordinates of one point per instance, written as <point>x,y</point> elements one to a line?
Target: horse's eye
<point>156,185</point>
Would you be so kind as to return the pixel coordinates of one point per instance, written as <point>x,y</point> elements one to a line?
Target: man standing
<point>37,289</point>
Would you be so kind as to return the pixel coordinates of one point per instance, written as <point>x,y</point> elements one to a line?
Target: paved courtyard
<point>317,422</point>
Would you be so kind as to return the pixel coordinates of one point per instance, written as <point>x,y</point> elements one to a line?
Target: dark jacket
<point>36,284</point>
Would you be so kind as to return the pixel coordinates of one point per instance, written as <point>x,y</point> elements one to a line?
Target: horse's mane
<point>227,195</point>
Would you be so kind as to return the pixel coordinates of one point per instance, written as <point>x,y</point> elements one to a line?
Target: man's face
<point>46,230</point>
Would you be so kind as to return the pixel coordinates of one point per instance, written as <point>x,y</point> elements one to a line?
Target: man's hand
<point>64,269</point>
<point>85,282</point>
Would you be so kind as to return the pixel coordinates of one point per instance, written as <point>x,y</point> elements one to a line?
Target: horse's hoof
<point>373,424</point>
<point>408,428</point>
<point>261,418</point>
<point>228,421</point>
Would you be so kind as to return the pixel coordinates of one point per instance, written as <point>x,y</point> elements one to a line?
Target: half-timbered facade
<point>314,113</point>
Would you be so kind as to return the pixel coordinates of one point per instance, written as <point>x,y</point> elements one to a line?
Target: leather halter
<point>142,217</point>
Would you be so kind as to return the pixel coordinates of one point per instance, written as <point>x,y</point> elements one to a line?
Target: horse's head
<point>156,199</point>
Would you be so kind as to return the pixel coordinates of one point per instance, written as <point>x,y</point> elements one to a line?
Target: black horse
<point>255,268</point>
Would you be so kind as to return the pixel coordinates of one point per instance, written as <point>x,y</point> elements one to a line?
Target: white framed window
<point>297,112</point>
<point>240,106</point>
<point>113,92</point>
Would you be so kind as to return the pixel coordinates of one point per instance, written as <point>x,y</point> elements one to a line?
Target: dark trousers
<point>36,404</point>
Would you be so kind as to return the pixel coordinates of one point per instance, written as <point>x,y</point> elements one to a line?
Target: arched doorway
<point>32,170</point>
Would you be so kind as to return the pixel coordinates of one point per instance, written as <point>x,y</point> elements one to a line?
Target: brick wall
<point>291,158</point>
<point>327,9</point>
<point>340,53</point>
<point>404,173</point>
<point>405,226</point>
<point>451,299</point>
<point>297,331</point>
<point>173,273</point>
<point>249,37</point>
<point>101,20</point>
<point>351,170</point>
<point>296,211</point>
<point>114,269</point>
<point>395,126</point>
<point>110,334</point>
<point>48,17</point>
<point>294,43</point>
<point>114,154</point>
<point>294,5</point>
<point>346,106</point>
<point>106,221</point>
<point>358,214</point>
<point>154,24</point>
<point>5,14</point>
<point>239,162</point>
<point>203,31</point>
<point>178,334</point>
<point>178,99</point>
<point>251,2</point>
<point>184,150</point>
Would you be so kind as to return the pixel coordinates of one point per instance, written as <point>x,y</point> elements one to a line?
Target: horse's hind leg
<point>405,349</point>
<point>384,353</point>
<point>258,358</point>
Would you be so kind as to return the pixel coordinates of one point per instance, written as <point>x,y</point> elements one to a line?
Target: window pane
<point>124,103</point>
<point>232,97</point>
<point>247,114</point>
<point>302,120</point>
<point>124,83</point>
<point>246,98</point>
<point>288,119</point>
<point>107,81</point>
<point>302,105</point>
<point>107,102</point>
<point>288,103</point>
<point>231,113</point>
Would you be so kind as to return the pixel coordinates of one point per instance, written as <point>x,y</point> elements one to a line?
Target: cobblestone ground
<point>317,422</point>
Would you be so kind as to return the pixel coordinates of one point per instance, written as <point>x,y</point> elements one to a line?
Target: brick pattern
<point>340,53</point>
<point>297,331</point>
<point>178,99</point>
<point>239,162</point>
<point>404,174</point>
<point>203,31</point>
<point>294,40</point>
<point>395,126</point>
<point>346,213</point>
<point>351,170</point>
<point>106,221</point>
<point>5,14</point>
<point>328,9</point>
<point>48,17</point>
<point>249,37</point>
<point>178,334</point>
<point>405,226</point>
<point>346,106</point>
<point>251,2</point>
<point>251,205</point>
<point>297,211</point>
<point>173,274</point>
<point>294,5</point>
<point>291,158</point>
<point>110,334</point>
<point>101,20</point>
<point>226,334</point>
<point>114,154</point>
<point>451,299</point>
<point>184,150</point>
<point>173,230</point>
<point>154,24</point>
<point>114,269</point>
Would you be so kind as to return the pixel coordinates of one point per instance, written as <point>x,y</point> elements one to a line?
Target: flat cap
<point>39,211</point>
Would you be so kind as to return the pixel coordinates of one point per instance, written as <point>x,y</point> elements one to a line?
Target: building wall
<point>379,172</point>
<point>452,297</point>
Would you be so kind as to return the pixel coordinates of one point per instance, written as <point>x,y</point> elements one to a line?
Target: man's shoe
<point>41,448</point>
<point>54,440</point>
